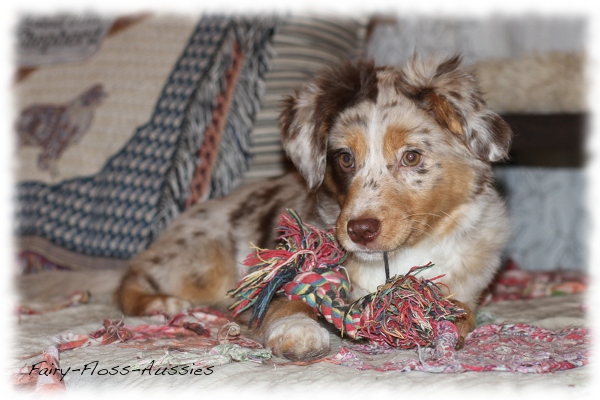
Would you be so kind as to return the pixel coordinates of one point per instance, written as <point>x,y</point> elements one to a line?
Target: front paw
<point>169,305</point>
<point>297,338</point>
<point>464,324</point>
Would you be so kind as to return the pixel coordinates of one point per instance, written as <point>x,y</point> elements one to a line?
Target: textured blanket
<point>75,343</point>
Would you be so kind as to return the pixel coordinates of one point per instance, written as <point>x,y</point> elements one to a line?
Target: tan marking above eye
<point>411,159</point>
<point>395,139</point>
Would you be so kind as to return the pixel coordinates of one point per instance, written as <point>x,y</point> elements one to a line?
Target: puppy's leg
<point>464,324</point>
<point>139,294</point>
<point>290,329</point>
<point>161,279</point>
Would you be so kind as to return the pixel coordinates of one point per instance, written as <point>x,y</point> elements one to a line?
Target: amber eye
<point>411,159</point>
<point>346,161</point>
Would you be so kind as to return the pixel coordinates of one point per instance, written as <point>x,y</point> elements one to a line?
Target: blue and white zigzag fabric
<point>122,209</point>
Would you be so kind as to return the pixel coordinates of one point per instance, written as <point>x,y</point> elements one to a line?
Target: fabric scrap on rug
<point>202,325</point>
<point>198,358</point>
<point>42,377</point>
<point>518,348</point>
<point>200,337</point>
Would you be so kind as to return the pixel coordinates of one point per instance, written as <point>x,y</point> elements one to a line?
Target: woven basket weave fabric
<point>113,214</point>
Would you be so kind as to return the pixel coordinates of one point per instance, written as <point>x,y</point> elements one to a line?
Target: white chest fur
<point>366,276</point>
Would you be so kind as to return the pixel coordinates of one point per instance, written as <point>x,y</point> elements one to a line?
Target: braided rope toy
<point>404,312</point>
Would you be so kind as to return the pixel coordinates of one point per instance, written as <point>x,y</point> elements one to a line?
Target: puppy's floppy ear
<point>308,116</point>
<point>452,97</point>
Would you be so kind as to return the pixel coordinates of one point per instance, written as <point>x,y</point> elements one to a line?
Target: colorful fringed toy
<point>404,312</point>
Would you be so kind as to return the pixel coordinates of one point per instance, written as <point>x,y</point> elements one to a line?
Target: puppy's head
<point>401,149</point>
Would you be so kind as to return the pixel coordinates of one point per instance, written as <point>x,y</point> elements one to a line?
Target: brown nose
<point>363,231</point>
